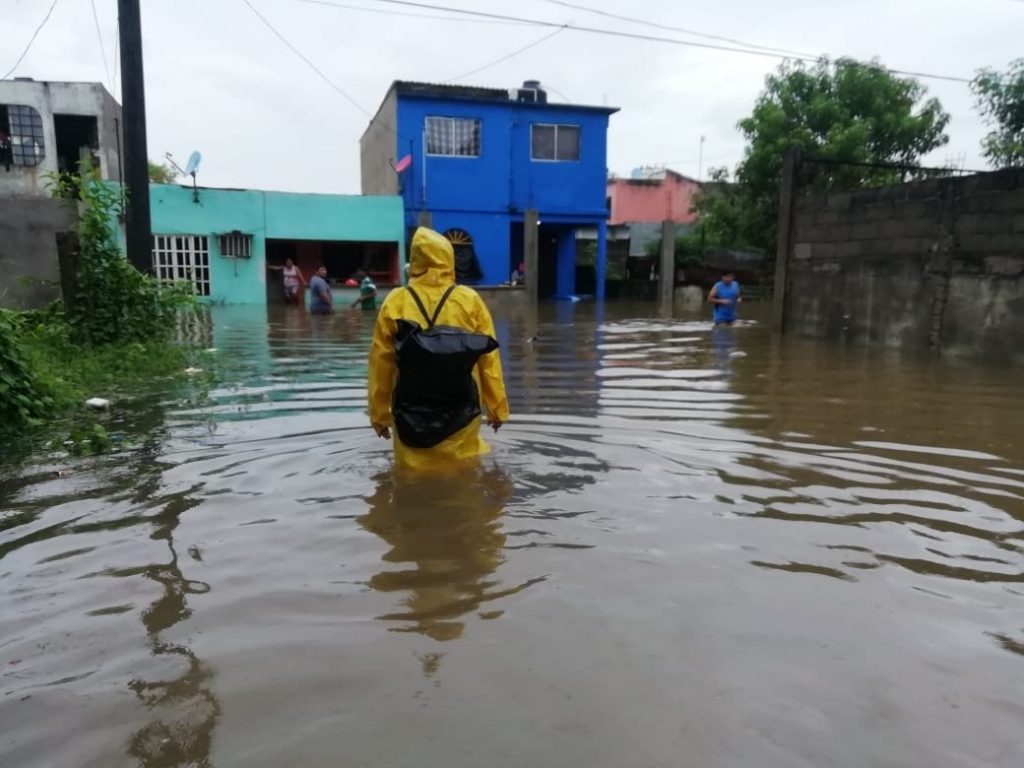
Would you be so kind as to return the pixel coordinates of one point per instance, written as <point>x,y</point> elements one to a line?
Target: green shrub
<point>23,397</point>
<point>113,302</point>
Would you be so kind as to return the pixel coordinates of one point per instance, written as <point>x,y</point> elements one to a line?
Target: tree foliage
<point>162,173</point>
<point>1000,99</point>
<point>846,112</point>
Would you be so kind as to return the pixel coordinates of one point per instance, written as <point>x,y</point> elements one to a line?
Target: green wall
<point>283,215</point>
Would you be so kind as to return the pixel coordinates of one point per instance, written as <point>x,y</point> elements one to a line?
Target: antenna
<point>193,164</point>
<point>191,167</point>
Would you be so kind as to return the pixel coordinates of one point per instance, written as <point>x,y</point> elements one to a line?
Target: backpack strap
<point>431,320</point>
<point>419,303</point>
<point>440,304</point>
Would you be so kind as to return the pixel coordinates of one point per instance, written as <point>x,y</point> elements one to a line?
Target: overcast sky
<point>219,81</point>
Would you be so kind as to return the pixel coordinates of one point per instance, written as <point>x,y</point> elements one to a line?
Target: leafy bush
<point>113,302</point>
<point>23,398</point>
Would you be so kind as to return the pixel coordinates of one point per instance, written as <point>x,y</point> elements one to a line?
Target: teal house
<point>223,240</point>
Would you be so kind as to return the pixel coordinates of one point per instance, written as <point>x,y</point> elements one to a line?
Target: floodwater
<point>689,548</point>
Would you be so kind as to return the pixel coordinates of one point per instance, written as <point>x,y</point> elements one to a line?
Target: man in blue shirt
<point>321,300</point>
<point>725,296</point>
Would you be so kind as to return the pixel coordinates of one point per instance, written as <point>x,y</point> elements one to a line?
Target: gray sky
<point>218,80</point>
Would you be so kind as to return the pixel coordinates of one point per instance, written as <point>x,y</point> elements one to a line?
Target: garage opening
<point>343,259</point>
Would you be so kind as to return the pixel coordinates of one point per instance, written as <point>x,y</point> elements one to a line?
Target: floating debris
<point>97,403</point>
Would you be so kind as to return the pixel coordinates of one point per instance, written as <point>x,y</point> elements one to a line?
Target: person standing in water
<point>435,371</point>
<point>725,296</point>
<point>367,293</point>
<point>293,280</point>
<point>321,300</point>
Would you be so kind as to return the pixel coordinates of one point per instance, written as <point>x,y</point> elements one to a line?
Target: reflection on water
<point>689,541</point>
<point>445,535</point>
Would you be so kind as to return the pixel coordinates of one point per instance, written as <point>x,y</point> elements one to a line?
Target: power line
<point>653,38</point>
<point>309,63</point>
<point>99,39</point>
<point>508,56</point>
<point>670,28</point>
<point>409,15</point>
<point>32,39</point>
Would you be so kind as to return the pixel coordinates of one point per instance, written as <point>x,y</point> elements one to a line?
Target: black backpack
<point>436,395</point>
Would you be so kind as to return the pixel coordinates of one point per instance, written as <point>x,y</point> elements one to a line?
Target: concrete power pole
<point>138,230</point>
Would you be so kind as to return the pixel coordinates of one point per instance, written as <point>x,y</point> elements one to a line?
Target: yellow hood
<point>431,260</point>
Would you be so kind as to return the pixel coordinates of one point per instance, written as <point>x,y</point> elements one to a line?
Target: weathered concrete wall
<point>378,145</point>
<point>29,273</point>
<point>935,264</point>
<point>49,99</point>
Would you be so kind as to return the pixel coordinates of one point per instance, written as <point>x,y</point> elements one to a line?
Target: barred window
<point>555,143</point>
<point>21,135</point>
<point>236,245</point>
<point>453,136</point>
<point>183,257</point>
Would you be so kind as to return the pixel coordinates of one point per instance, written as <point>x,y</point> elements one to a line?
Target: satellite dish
<point>193,164</point>
<point>403,164</point>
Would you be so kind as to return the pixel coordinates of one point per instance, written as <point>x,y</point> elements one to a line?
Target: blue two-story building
<point>475,160</point>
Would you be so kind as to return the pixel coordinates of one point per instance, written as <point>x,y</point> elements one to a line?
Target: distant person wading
<point>435,370</point>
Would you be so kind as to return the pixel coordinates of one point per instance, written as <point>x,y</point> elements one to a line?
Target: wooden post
<point>531,251</point>
<point>667,267</point>
<point>784,244</point>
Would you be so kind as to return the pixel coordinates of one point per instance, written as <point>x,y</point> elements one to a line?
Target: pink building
<point>652,195</point>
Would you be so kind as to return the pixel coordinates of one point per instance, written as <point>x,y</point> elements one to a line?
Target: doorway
<point>77,138</point>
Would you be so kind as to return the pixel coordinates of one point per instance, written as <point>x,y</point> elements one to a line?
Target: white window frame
<point>557,126</point>
<point>452,154</point>
<point>183,258</point>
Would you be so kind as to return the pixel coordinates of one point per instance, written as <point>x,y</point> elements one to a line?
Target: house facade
<point>648,197</point>
<point>223,242</point>
<point>652,195</point>
<point>46,127</point>
<point>472,161</point>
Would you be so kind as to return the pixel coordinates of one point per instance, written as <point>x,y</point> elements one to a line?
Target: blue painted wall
<point>484,195</point>
<point>265,215</point>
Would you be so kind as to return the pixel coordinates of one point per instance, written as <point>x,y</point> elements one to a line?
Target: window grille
<point>236,245</point>
<point>453,136</point>
<point>21,135</point>
<point>183,257</point>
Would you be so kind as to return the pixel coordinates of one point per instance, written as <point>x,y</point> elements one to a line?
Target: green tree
<point>162,173</point>
<point>841,112</point>
<point>1000,99</point>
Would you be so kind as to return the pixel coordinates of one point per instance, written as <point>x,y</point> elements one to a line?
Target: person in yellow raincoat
<point>432,282</point>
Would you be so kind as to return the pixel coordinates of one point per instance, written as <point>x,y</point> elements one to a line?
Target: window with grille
<point>21,135</point>
<point>555,143</point>
<point>183,257</point>
<point>235,245</point>
<point>453,136</point>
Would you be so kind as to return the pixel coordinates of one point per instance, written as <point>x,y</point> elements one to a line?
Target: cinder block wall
<point>934,264</point>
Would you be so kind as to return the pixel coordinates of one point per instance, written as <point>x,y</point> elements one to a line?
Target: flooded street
<point>689,548</point>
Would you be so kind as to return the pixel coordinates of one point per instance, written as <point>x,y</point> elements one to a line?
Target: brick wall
<point>935,264</point>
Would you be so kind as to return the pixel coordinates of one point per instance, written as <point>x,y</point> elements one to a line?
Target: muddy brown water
<point>689,548</point>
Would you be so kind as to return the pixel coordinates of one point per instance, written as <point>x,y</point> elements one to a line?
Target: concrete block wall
<point>29,266</point>
<point>933,264</point>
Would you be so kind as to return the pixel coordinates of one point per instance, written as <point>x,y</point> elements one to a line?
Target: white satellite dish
<point>193,164</point>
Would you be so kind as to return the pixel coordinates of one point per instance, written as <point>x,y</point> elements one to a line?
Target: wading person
<point>725,296</point>
<point>367,292</point>
<point>321,300</point>
<point>435,370</point>
<point>293,280</point>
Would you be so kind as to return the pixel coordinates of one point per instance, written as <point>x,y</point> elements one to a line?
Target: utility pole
<point>700,161</point>
<point>138,230</point>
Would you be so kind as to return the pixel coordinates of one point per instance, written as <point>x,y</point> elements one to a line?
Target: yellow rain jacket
<point>431,272</point>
